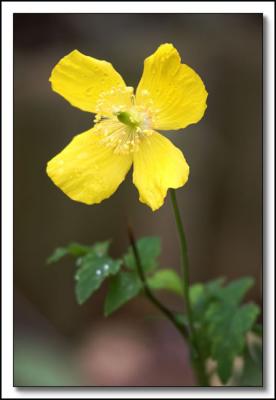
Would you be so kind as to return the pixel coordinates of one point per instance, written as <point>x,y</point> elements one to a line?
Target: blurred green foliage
<point>38,364</point>
<point>221,321</point>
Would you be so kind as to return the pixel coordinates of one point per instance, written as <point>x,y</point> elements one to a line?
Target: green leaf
<point>227,327</point>
<point>92,272</point>
<point>57,255</point>
<point>78,250</point>
<point>201,295</point>
<point>101,248</point>
<point>213,288</point>
<point>166,279</point>
<point>220,322</point>
<point>197,293</point>
<point>122,288</point>
<point>72,249</point>
<point>225,367</point>
<point>252,369</point>
<point>252,373</point>
<point>236,290</point>
<point>149,249</point>
<point>232,293</point>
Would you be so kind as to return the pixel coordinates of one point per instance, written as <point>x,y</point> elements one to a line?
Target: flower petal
<point>87,170</point>
<point>81,79</point>
<point>173,91</point>
<point>158,165</point>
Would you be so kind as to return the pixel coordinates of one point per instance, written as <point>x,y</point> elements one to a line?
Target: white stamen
<point>123,135</point>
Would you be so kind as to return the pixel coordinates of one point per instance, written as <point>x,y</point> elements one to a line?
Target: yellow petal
<point>158,165</point>
<point>173,91</point>
<point>81,79</point>
<point>87,170</point>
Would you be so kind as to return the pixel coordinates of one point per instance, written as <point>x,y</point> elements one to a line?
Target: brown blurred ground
<point>221,204</point>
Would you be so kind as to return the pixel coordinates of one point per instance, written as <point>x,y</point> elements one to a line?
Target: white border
<point>265,7</point>
<point>8,8</point>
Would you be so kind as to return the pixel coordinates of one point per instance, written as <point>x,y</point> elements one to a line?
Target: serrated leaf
<point>201,295</point>
<point>214,287</point>
<point>236,290</point>
<point>79,250</point>
<point>166,279</point>
<point>76,249</point>
<point>149,249</point>
<point>220,322</point>
<point>101,248</point>
<point>57,255</point>
<point>245,317</point>
<point>122,288</point>
<point>98,249</point>
<point>72,249</point>
<point>227,327</point>
<point>92,272</point>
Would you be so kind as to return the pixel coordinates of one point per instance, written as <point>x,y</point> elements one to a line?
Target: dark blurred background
<point>56,341</point>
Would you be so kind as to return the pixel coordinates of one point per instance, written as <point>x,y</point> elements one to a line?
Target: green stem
<point>147,290</point>
<point>197,359</point>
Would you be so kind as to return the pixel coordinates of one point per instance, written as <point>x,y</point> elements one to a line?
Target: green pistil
<point>127,119</point>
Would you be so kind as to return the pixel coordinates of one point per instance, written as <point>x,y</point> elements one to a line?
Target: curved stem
<point>197,359</point>
<point>147,290</point>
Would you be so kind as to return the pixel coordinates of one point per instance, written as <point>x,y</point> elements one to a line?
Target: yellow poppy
<point>170,96</point>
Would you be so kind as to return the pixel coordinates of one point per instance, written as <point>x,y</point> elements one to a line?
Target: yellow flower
<point>170,96</point>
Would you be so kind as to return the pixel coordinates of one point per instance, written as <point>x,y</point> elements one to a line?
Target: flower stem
<point>197,359</point>
<point>147,290</point>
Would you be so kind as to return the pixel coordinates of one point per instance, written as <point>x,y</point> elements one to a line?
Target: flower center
<point>122,125</point>
<point>127,118</point>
